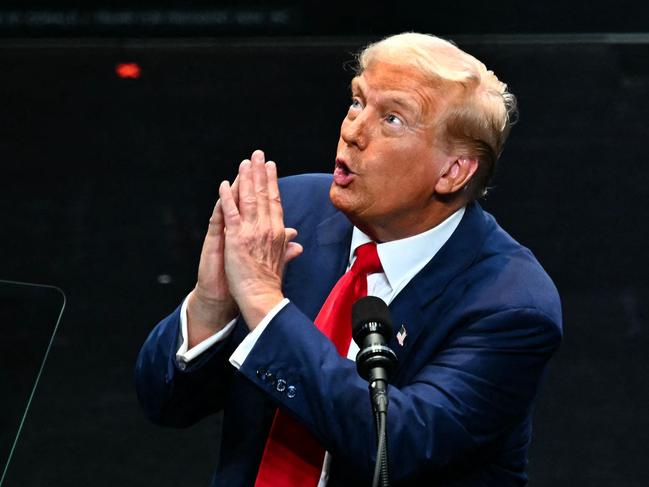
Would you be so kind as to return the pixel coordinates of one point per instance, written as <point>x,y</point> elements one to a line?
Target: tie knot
<point>367,259</point>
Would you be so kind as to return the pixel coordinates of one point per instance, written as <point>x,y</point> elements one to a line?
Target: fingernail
<point>245,162</point>
<point>270,163</point>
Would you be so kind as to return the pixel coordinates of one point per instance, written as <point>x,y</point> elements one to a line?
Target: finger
<point>275,202</point>
<point>215,227</point>
<point>235,191</point>
<point>293,250</point>
<point>290,233</point>
<point>214,241</point>
<point>231,216</point>
<point>247,199</point>
<point>216,224</point>
<point>261,184</point>
<point>258,156</point>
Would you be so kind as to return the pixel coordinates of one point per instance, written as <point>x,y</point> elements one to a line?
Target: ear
<point>457,175</point>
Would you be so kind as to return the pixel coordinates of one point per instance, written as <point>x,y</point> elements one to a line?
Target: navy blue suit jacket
<point>482,318</point>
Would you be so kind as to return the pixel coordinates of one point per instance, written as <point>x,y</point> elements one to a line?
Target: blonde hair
<point>477,122</point>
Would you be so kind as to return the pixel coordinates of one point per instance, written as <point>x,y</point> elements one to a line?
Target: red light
<point>128,70</point>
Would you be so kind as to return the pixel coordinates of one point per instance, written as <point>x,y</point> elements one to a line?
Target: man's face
<point>389,159</point>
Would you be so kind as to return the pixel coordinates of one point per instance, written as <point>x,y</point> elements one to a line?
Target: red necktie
<point>293,457</point>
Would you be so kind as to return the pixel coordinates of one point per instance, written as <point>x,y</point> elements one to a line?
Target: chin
<point>345,201</point>
<point>339,196</point>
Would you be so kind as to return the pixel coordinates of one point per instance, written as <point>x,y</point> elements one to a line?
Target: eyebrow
<point>407,104</point>
<point>394,100</point>
<point>355,85</point>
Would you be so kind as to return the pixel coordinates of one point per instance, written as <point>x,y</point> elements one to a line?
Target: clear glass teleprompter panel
<point>29,317</point>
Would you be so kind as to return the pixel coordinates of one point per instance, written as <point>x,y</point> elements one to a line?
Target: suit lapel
<point>324,260</point>
<point>410,306</point>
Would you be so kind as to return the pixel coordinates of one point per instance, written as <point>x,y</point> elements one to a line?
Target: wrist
<point>255,308</point>
<point>205,317</point>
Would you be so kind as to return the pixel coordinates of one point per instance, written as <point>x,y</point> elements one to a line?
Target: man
<point>477,318</point>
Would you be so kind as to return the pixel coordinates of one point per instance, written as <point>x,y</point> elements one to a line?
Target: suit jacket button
<point>270,378</point>
<point>281,385</point>
<point>261,374</point>
<point>291,391</point>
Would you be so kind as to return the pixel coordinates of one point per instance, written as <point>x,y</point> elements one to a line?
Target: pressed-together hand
<point>211,306</point>
<point>257,245</point>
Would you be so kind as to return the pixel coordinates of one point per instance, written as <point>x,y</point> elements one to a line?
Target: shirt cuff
<point>183,355</point>
<point>244,348</point>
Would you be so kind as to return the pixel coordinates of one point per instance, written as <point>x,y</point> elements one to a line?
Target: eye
<point>356,104</point>
<point>394,120</point>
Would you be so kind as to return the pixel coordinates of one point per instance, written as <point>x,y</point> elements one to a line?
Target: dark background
<point>107,185</point>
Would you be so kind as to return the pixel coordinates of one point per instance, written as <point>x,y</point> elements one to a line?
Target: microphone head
<point>370,315</point>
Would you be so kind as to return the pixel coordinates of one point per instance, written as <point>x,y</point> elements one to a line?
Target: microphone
<point>371,328</point>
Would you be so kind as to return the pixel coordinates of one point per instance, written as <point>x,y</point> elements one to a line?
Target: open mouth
<point>343,168</point>
<point>343,176</point>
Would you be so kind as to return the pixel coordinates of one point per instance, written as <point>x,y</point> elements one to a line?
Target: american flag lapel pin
<point>401,335</point>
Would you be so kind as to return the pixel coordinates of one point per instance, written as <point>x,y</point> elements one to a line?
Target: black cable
<point>385,479</point>
<point>381,477</point>
<point>380,437</point>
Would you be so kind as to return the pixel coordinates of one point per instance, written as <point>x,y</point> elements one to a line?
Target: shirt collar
<point>402,259</point>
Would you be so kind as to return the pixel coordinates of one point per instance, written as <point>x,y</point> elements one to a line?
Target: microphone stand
<point>371,327</point>
<point>379,400</point>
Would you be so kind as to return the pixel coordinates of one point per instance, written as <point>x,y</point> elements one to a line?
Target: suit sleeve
<point>479,384</point>
<point>175,396</point>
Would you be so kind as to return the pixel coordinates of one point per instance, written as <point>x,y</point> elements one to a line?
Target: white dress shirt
<point>401,261</point>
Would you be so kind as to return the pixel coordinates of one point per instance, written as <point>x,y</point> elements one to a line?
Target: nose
<point>355,132</point>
